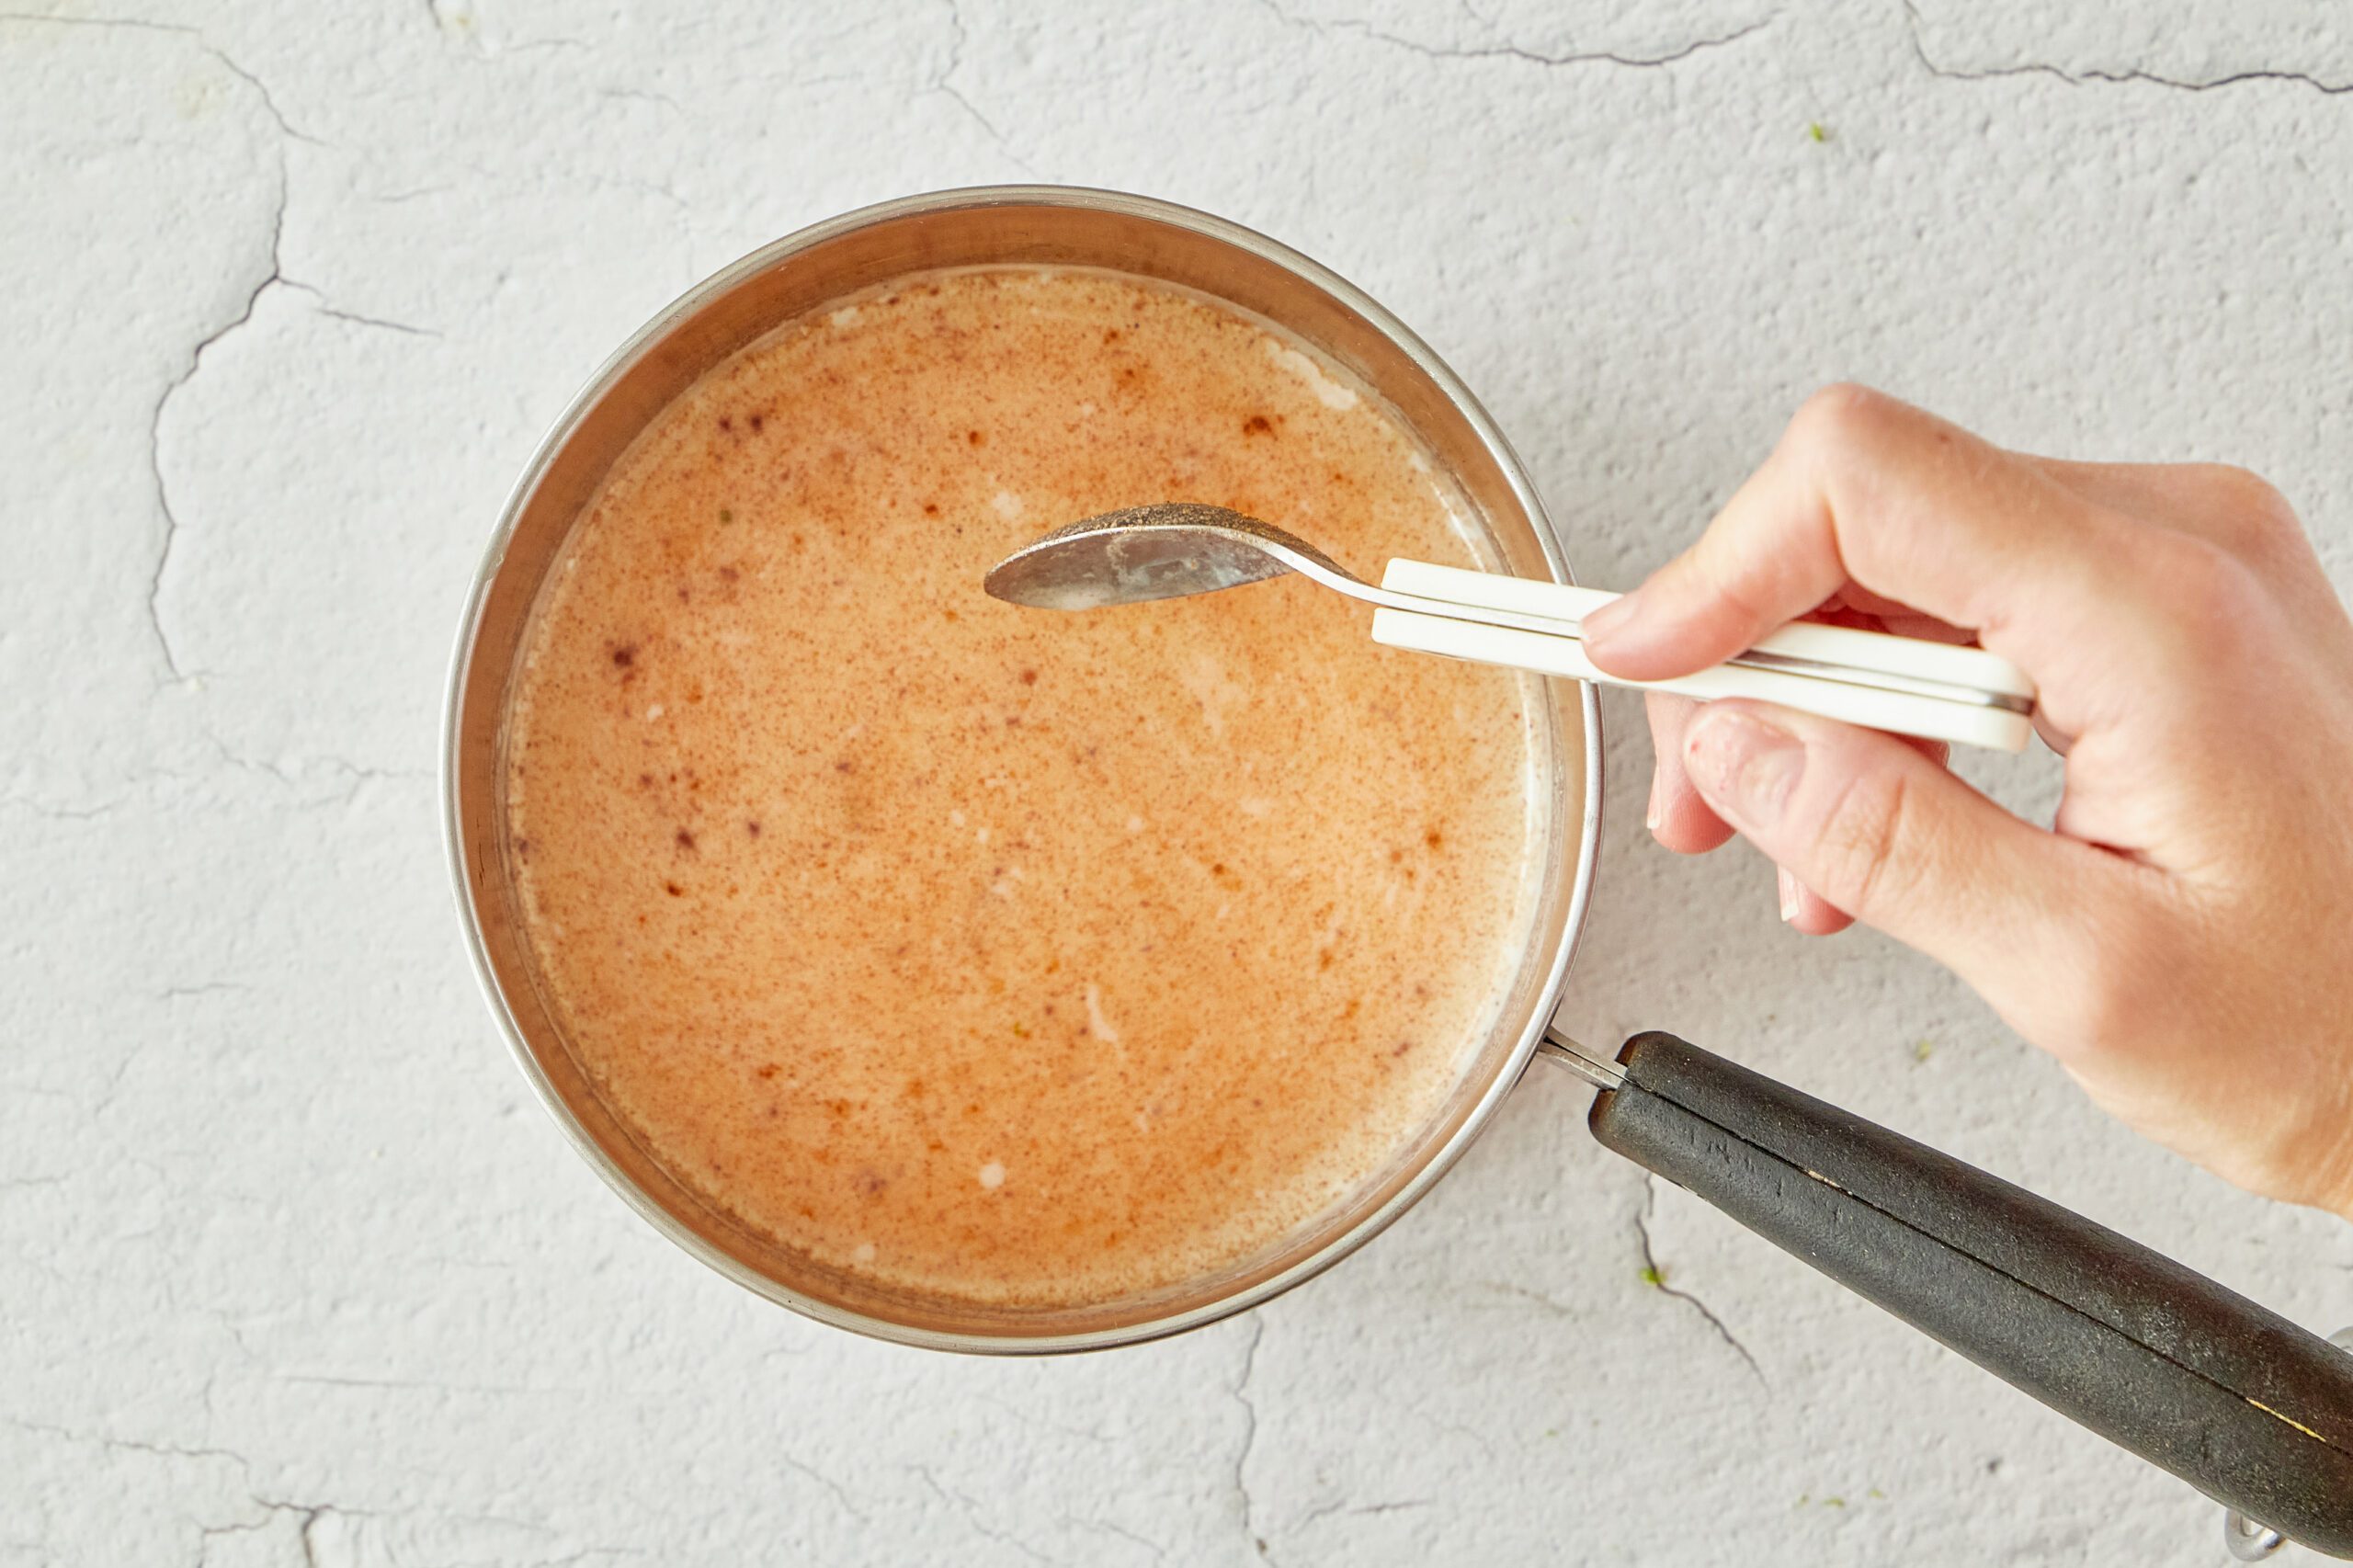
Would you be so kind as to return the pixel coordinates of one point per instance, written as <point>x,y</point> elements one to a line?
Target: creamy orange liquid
<point>998,954</point>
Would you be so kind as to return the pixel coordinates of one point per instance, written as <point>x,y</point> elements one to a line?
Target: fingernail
<point>1745,768</point>
<point>1651,816</point>
<point>1789,885</point>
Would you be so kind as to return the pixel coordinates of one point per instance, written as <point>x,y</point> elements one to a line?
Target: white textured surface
<point>292,1269</point>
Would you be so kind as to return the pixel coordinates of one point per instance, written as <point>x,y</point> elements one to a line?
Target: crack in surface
<point>1241,1392</point>
<point>358,774</point>
<point>135,784</point>
<point>1470,1435</point>
<point>306,1512</point>
<point>1657,1279</point>
<point>287,132</point>
<point>358,320</point>
<point>63,814</point>
<point>322,308</point>
<point>201,988</point>
<point>494,1390</point>
<point>649,186</point>
<point>462,28</point>
<point>1365,29</point>
<point>1159,1552</point>
<point>177,29</point>
<point>196,355</point>
<point>645,93</point>
<point>1535,1298</point>
<point>972,1508</point>
<point>132,1445</point>
<point>1345,1510</point>
<point>943,84</point>
<point>305,1534</point>
<point>105,1102</point>
<point>841,1494</point>
<point>1912,22</point>
<point>156,433</point>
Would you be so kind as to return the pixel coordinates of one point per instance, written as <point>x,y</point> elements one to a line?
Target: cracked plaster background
<point>292,1271</point>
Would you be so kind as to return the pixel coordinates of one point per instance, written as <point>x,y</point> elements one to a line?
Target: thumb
<point>1887,836</point>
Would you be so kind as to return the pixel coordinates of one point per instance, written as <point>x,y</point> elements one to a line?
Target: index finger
<point>1863,488</point>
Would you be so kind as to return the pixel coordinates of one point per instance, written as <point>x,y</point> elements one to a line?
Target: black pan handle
<point>2235,1400</point>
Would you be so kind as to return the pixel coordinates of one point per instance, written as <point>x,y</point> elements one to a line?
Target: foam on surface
<point>1009,956</point>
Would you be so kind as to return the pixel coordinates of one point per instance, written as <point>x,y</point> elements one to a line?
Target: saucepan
<point>2239,1401</point>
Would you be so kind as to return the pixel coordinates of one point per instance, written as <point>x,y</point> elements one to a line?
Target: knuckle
<point>1862,842</point>
<point>1723,579</point>
<point>2206,586</point>
<point>2241,501</point>
<point>1839,418</point>
<point>2103,1012</point>
<point>2121,953</point>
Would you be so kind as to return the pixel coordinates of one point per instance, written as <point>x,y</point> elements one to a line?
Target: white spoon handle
<point>1872,678</point>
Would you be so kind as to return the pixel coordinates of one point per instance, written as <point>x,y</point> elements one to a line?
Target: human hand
<point>2181,938</point>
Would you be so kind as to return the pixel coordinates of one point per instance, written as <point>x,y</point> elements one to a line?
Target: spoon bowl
<point>1163,552</point>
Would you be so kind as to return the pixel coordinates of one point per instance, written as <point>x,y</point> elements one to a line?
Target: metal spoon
<point>1141,553</point>
<point>1166,551</point>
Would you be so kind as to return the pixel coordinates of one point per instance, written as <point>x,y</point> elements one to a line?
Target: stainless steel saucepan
<point>2236,1401</point>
